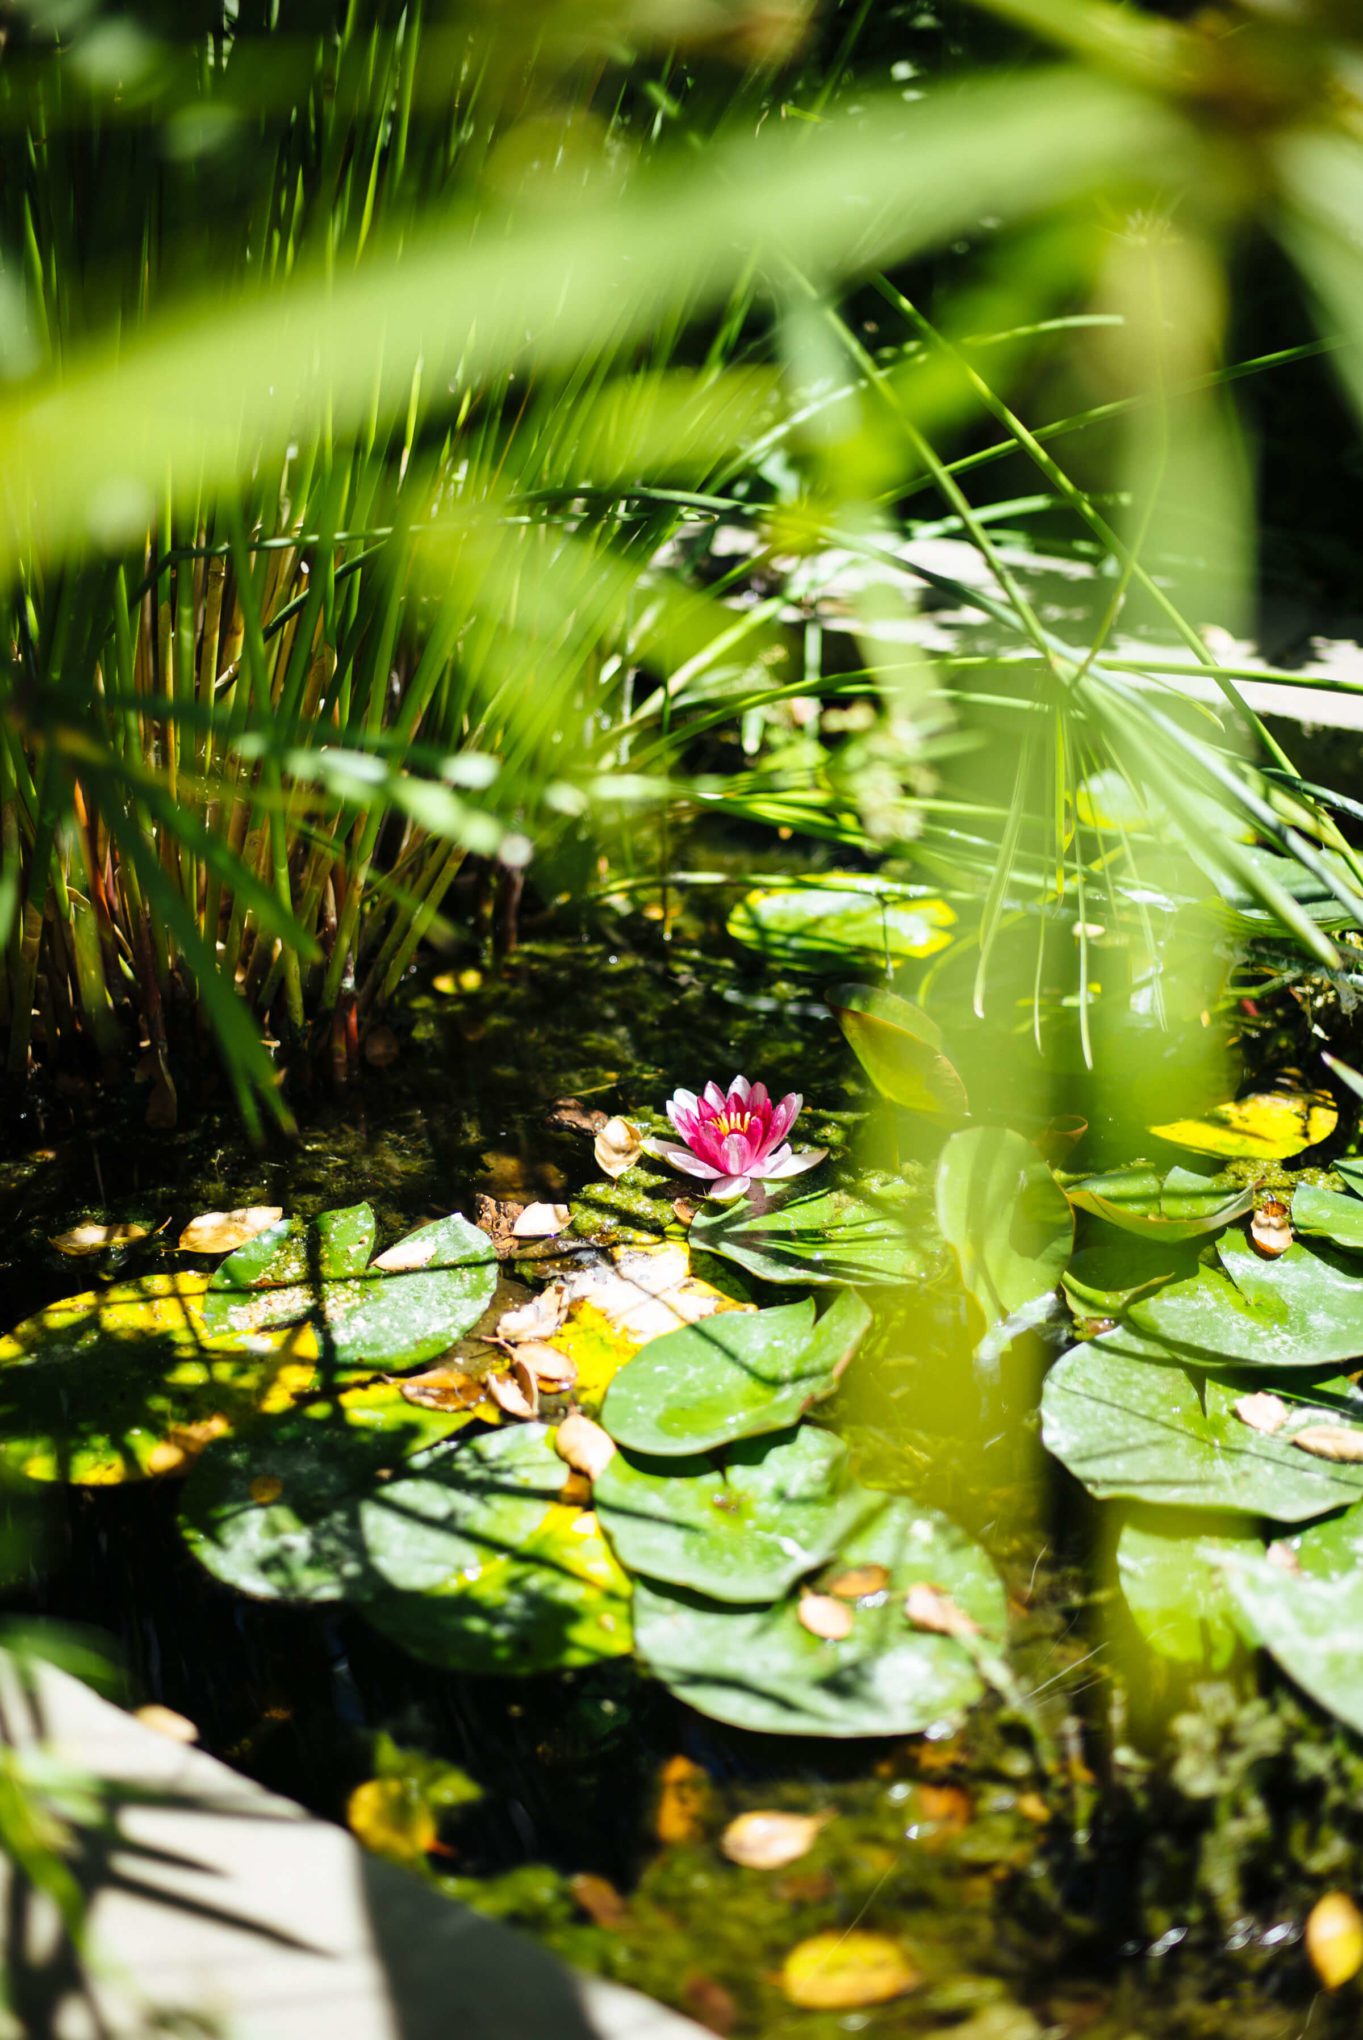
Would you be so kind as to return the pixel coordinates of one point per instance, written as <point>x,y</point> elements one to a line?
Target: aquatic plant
<point>732,1139</point>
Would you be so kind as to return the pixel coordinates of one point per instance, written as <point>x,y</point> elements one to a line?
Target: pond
<point>1109,1843</point>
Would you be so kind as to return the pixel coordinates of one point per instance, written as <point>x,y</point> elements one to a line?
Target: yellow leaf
<point>1334,1939</point>
<point>1268,1126</point>
<point>222,1232</point>
<point>840,1972</point>
<point>392,1819</point>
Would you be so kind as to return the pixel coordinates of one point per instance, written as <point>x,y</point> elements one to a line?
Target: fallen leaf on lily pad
<point>538,1319</point>
<point>1340,1442</point>
<point>442,1388</point>
<point>222,1232</point>
<point>768,1841</point>
<point>515,1391</point>
<point>822,1616</point>
<point>583,1445</point>
<point>93,1239</point>
<point>1266,1413</point>
<point>859,1582</point>
<point>618,1147</point>
<point>1268,1126</point>
<point>928,1607</point>
<point>540,1221</point>
<point>1334,1939</point>
<point>841,1972</point>
<point>553,1370</point>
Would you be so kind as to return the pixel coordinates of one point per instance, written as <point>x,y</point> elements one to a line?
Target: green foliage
<point>869,1237</point>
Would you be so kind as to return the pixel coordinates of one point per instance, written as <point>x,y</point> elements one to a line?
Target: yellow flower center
<point>726,1123</point>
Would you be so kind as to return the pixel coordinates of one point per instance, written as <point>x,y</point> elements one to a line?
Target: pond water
<point>1135,1860</point>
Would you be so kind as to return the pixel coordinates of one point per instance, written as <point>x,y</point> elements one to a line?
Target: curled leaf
<point>859,1581</point>
<point>222,1232</point>
<point>824,1617</point>
<point>839,1972</point>
<point>618,1147</point>
<point>516,1391</point>
<point>928,1607</point>
<point>583,1445</point>
<point>768,1841</point>
<point>541,1221</point>
<point>442,1388</point>
<point>540,1318</point>
<point>552,1370</point>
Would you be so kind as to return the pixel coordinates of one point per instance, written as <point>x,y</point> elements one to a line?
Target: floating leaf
<point>1342,1443</point>
<point>618,1147</point>
<point>1269,1126</point>
<point>1124,1424</point>
<point>927,1607</point>
<point>1265,1413</point>
<point>822,1616</point>
<point>900,1049</point>
<point>742,1530</point>
<point>1004,1216</point>
<point>317,1274</point>
<point>760,1668</point>
<point>1302,1309</point>
<point>1334,1939</point>
<point>769,1841</point>
<point>220,1232</point>
<point>93,1239</point>
<point>838,1972</point>
<point>540,1221</point>
<point>583,1445</point>
<point>824,1237</point>
<point>532,1586</point>
<point>840,920</point>
<point>306,1509</point>
<point>736,1376</point>
<point>117,1384</point>
<point>1169,1569</point>
<point>1310,1620</point>
<point>1324,1211</point>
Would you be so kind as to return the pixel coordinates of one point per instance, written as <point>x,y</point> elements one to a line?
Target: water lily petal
<point>729,1186</point>
<point>795,1164</point>
<point>759,1101</point>
<point>740,1088</point>
<point>682,1101</point>
<point>784,1115</point>
<point>678,1157</point>
<point>714,1097</point>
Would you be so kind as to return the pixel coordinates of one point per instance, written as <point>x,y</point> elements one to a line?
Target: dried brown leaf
<point>1271,1229</point>
<point>1262,1412</point>
<point>930,1608</point>
<point>540,1221</point>
<point>769,1841</point>
<point>600,1900</point>
<point>553,1370</point>
<point>682,1800</point>
<point>93,1239</point>
<point>222,1232</point>
<point>822,1616</point>
<point>538,1319</point>
<point>442,1388</point>
<point>709,2003</point>
<point>583,1445</point>
<point>859,1581</point>
<point>575,1117</point>
<point>618,1147</point>
<point>515,1391</point>
<point>1341,1442</point>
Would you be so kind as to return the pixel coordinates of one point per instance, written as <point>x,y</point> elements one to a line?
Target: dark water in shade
<point>1153,1886</point>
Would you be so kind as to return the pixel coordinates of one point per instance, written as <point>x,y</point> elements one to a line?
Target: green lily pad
<point>1304,1309</point>
<point>823,1236</point>
<point>1351,1169</point>
<point>439,1284</point>
<point>1325,1212</point>
<point>734,1375</point>
<point>1169,1568</point>
<point>741,1526</point>
<point>1310,1621</point>
<point>305,1509</point>
<point>1134,1200</point>
<point>128,1382</point>
<point>760,1668</point>
<point>844,920</point>
<point>1004,1216</point>
<point>531,1584</point>
<point>900,1049</point>
<point>1126,1425</point>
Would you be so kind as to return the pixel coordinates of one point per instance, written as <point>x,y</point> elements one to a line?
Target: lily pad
<point>760,1668</point>
<point>122,1383</point>
<point>531,1584</point>
<point>318,1274</point>
<point>1169,1568</point>
<point>1325,1212</point>
<point>1004,1216</point>
<point>741,1526</point>
<point>1126,1425</point>
<point>734,1376</point>
<point>1310,1620</point>
<point>1137,1201</point>
<point>844,920</point>
<point>900,1049</point>
<point>824,1236</point>
<point>1269,1126</point>
<point>306,1509</point>
<point>1303,1309</point>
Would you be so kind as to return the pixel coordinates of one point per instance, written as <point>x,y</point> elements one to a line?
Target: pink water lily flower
<point>735,1138</point>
